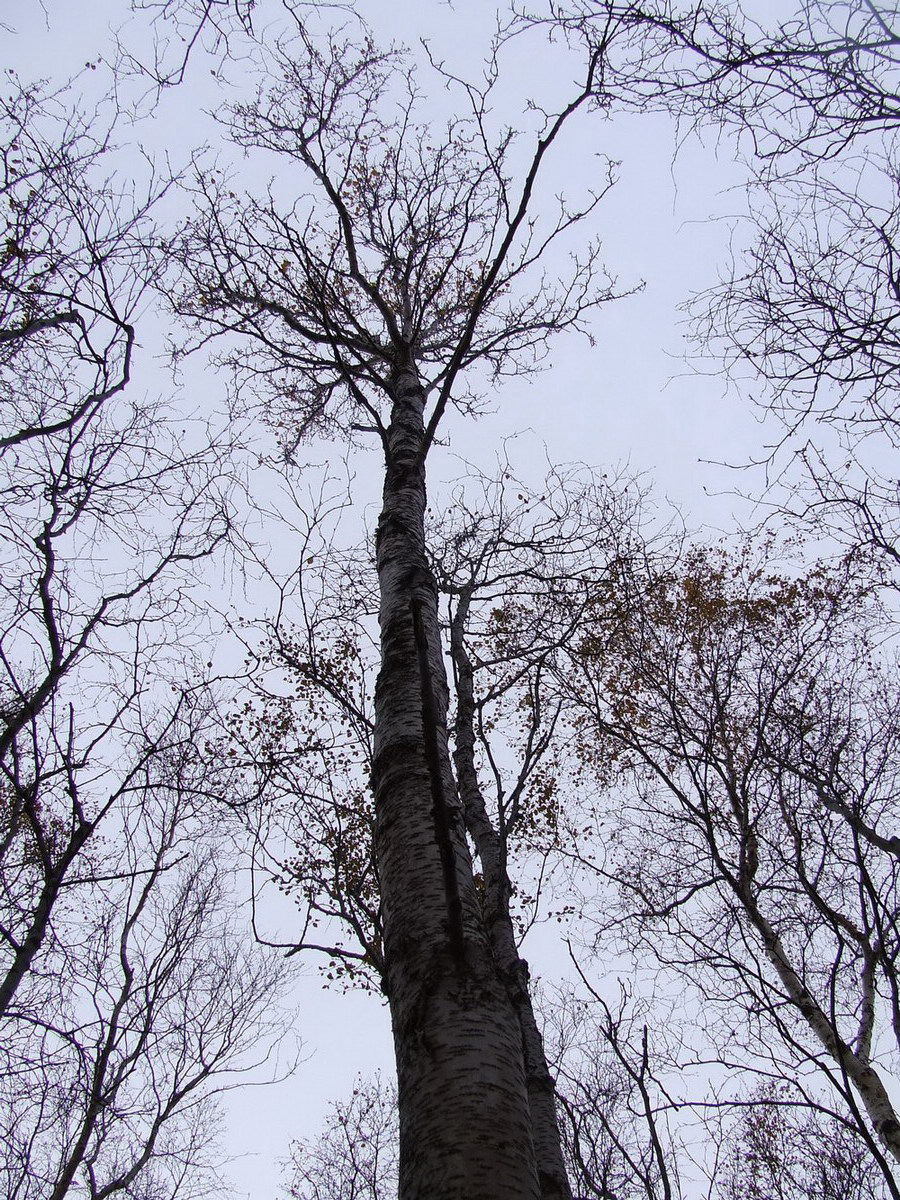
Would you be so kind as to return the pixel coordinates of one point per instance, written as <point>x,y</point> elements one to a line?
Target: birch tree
<point>817,310</point>
<point>517,570</point>
<point>126,995</point>
<point>367,304</point>
<point>755,720</point>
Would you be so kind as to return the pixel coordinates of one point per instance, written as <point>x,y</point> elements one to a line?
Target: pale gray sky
<point>629,399</point>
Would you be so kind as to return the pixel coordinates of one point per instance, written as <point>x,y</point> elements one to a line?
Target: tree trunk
<point>854,1067</point>
<point>465,1130</point>
<point>24,952</point>
<point>491,849</point>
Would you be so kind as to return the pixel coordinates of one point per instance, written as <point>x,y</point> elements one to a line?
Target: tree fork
<point>490,847</point>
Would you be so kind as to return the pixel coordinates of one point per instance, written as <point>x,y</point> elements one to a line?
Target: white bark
<point>854,1066</point>
<point>497,892</point>
<point>465,1130</point>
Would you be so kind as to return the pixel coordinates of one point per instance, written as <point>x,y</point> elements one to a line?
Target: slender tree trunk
<point>856,1068</point>
<point>28,947</point>
<point>491,849</point>
<point>465,1129</point>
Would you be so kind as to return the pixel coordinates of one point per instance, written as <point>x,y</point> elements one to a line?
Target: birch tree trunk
<point>465,1129</point>
<point>411,267</point>
<point>491,850</point>
<point>854,1066</point>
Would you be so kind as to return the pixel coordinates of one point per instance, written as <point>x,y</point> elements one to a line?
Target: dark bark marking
<point>440,809</point>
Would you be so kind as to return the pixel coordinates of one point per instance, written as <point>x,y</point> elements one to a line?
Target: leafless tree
<point>812,309</point>
<point>159,43</point>
<point>104,515</point>
<point>517,569</point>
<point>782,1151</point>
<point>616,1127</point>
<point>805,87</point>
<point>396,267</point>
<point>123,993</point>
<point>147,999</point>
<point>355,1158</point>
<point>753,715</point>
<point>809,304</point>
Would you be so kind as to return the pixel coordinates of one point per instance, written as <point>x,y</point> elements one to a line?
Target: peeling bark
<point>465,1129</point>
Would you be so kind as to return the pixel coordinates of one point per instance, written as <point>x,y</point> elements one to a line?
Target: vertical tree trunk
<point>465,1131</point>
<point>491,850</point>
<point>854,1067</point>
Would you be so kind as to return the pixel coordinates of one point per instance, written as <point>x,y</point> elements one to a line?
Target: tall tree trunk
<point>491,849</point>
<point>465,1129</point>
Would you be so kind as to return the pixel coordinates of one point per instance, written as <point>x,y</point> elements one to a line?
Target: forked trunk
<point>465,1130</point>
<point>853,1067</point>
<point>491,850</point>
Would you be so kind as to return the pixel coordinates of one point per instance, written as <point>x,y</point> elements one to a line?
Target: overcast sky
<point>666,225</point>
<point>630,399</point>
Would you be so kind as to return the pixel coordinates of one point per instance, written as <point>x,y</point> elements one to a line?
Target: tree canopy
<point>283,681</point>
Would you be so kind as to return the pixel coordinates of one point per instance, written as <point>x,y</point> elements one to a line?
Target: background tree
<point>356,1155</point>
<point>175,32</point>
<point>804,88</point>
<point>145,1002</point>
<point>781,1152</point>
<point>617,1128</point>
<point>809,306</point>
<point>88,481</point>
<point>753,715</point>
<point>124,994</point>
<point>809,309</point>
